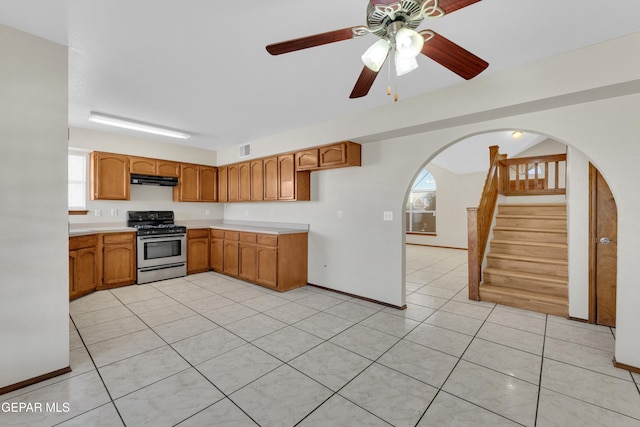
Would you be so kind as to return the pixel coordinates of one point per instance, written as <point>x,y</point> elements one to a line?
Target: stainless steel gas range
<point>162,245</point>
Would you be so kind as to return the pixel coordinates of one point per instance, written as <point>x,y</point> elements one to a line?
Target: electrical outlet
<point>207,212</point>
<point>97,212</point>
<point>340,214</point>
<point>114,212</point>
<point>387,216</point>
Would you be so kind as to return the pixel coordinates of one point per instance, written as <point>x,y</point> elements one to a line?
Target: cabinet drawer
<point>267,239</point>
<point>80,242</point>
<point>198,233</point>
<point>218,234</point>
<point>231,235</point>
<point>248,237</point>
<point>119,238</point>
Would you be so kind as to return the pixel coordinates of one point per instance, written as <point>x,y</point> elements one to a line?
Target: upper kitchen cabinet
<point>223,184</point>
<point>188,188</point>
<point>154,167</point>
<point>198,183</point>
<point>257,180</point>
<point>208,184</point>
<point>281,180</point>
<point>109,176</point>
<point>339,155</point>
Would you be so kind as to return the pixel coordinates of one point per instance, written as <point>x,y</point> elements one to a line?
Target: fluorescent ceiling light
<point>137,126</point>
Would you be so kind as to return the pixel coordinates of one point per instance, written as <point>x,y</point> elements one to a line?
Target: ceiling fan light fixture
<point>409,43</point>
<point>375,56</point>
<point>405,65</point>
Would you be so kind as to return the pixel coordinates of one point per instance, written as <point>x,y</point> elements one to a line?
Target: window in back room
<point>421,205</point>
<point>77,166</point>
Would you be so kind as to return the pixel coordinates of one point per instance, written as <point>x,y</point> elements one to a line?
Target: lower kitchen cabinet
<point>118,259</point>
<point>247,257</point>
<point>230,259</point>
<point>217,250</point>
<point>197,250</point>
<point>83,271</point>
<point>277,261</point>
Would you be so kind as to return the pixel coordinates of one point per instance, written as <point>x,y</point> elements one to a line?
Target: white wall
<point>143,197</point>
<point>587,99</point>
<point>34,284</point>
<point>454,194</point>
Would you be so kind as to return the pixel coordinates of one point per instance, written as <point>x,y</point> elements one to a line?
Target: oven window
<point>155,250</point>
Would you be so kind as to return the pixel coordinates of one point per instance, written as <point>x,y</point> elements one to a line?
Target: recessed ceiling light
<point>137,126</point>
<point>517,134</point>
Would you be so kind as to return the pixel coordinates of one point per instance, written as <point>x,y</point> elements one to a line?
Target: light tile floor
<point>207,350</point>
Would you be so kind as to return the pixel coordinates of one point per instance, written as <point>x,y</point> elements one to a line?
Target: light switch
<point>387,216</point>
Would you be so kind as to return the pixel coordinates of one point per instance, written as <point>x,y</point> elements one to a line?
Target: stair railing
<point>479,221</point>
<point>530,176</point>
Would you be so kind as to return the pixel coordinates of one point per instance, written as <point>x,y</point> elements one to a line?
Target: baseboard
<point>31,381</point>
<point>397,307</point>
<point>629,368</point>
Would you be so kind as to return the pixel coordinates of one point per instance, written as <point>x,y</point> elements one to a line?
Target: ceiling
<point>201,66</point>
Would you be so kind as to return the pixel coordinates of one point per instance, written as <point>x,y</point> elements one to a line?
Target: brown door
<point>603,251</point>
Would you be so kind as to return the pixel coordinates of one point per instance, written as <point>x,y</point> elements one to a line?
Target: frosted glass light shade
<point>409,43</point>
<point>375,56</point>
<point>405,65</point>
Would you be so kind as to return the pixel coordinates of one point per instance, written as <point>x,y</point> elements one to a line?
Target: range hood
<point>165,181</point>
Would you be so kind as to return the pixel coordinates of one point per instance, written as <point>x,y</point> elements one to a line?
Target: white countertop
<point>234,225</point>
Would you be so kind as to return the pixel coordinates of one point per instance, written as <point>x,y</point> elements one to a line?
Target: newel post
<point>473,254</point>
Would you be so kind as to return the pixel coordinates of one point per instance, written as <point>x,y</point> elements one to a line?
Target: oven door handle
<point>163,237</point>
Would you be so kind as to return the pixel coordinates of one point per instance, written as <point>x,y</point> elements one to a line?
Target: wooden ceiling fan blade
<point>364,83</point>
<point>450,55</point>
<point>452,5</point>
<point>311,41</point>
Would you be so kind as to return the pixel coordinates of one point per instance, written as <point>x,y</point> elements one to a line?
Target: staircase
<point>527,263</point>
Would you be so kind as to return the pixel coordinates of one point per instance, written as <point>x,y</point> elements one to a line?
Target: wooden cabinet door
<point>247,267</point>
<point>85,271</point>
<point>333,155</point>
<point>232,183</point>
<point>267,266</point>
<point>286,174</point>
<point>217,255</point>
<point>109,176</point>
<point>307,160</point>
<point>168,168</point>
<point>143,166</point>
<point>223,184</point>
<point>230,257</point>
<point>188,190</point>
<point>72,274</point>
<point>208,184</point>
<point>257,181</point>
<point>270,174</point>
<point>197,251</point>
<point>244,182</point>
<point>118,259</point>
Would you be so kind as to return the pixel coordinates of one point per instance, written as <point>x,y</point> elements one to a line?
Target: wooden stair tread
<point>521,293</point>
<point>527,275</point>
<point>533,205</point>
<point>537,230</point>
<point>550,304</point>
<point>533,216</point>
<point>541,260</point>
<point>529,243</point>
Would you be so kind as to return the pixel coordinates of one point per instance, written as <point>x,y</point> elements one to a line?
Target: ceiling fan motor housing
<point>407,13</point>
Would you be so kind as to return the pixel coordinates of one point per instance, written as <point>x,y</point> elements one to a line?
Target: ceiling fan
<point>395,23</point>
